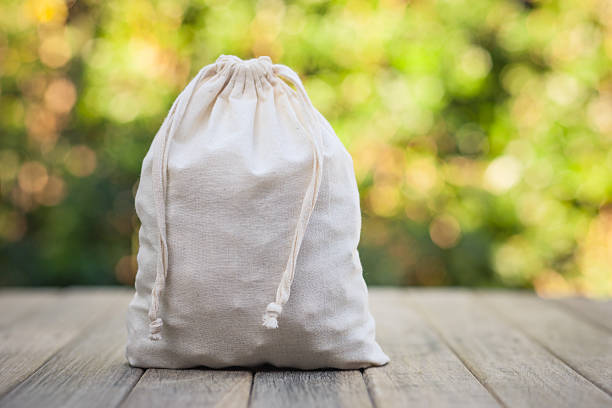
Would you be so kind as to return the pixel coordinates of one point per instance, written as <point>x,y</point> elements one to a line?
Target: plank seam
<point>250,400</point>
<point>543,346</point>
<point>129,392</point>
<point>465,363</point>
<point>372,402</point>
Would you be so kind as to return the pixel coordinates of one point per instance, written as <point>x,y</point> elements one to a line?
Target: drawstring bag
<point>250,223</point>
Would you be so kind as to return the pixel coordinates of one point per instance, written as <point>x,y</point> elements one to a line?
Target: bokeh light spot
<point>476,62</point>
<point>384,200</point>
<point>445,231</point>
<point>600,113</point>
<point>33,177</point>
<point>54,51</point>
<point>502,174</point>
<point>422,175</point>
<point>60,96</point>
<point>563,89</point>
<point>47,11</point>
<point>81,161</point>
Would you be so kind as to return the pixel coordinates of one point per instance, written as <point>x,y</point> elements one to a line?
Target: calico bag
<point>250,223</point>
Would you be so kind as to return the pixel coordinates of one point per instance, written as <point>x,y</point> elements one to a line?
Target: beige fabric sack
<point>250,223</point>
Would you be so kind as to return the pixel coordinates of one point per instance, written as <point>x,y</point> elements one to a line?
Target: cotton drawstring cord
<point>312,131</point>
<point>160,180</point>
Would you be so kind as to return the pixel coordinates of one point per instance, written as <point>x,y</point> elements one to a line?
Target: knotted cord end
<point>155,329</point>
<point>270,318</point>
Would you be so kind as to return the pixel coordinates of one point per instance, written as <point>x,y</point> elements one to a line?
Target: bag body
<point>250,222</point>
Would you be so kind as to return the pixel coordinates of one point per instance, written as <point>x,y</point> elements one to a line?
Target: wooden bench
<point>63,348</point>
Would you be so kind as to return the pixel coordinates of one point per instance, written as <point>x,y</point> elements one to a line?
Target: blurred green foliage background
<point>480,130</point>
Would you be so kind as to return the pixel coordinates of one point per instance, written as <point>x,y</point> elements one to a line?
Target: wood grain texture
<point>596,311</point>
<point>448,347</point>
<point>90,371</point>
<point>423,371</point>
<point>517,370</point>
<point>15,304</point>
<point>31,340</point>
<point>191,388</point>
<point>584,347</point>
<point>328,388</point>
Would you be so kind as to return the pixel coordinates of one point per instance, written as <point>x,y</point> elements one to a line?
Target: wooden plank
<point>30,341</point>
<point>191,388</point>
<point>18,303</point>
<point>513,367</point>
<point>423,371</point>
<point>597,311</point>
<point>584,347</point>
<point>325,388</point>
<point>90,371</point>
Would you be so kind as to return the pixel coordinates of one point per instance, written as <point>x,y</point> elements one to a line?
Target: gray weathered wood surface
<point>449,347</point>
